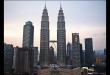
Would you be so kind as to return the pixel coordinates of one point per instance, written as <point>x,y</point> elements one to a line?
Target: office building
<point>69,54</point>
<point>8,57</point>
<point>28,34</point>
<point>104,58</point>
<point>81,55</point>
<point>94,57</point>
<point>35,56</point>
<point>84,57</point>
<point>104,51</point>
<point>69,50</point>
<point>101,54</point>
<point>44,39</point>
<point>23,60</point>
<point>61,39</point>
<point>75,50</point>
<point>89,60</point>
<point>98,59</point>
<point>51,55</point>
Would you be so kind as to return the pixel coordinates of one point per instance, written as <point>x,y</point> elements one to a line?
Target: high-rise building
<point>8,57</point>
<point>23,60</point>
<point>61,39</point>
<point>89,60</point>
<point>51,55</point>
<point>84,57</point>
<point>35,56</point>
<point>69,54</point>
<point>44,39</point>
<point>28,34</point>
<point>104,60</point>
<point>69,50</point>
<point>14,57</point>
<point>81,55</point>
<point>94,57</point>
<point>75,50</point>
<point>104,51</point>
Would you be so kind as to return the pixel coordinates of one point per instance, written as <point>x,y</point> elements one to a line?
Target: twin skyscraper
<point>28,34</point>
<point>44,39</point>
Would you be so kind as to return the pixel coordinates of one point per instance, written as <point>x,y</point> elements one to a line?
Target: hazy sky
<point>88,18</point>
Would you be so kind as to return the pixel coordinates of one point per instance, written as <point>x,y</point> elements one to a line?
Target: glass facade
<point>28,34</point>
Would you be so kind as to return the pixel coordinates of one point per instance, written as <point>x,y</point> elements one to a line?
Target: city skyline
<point>78,18</point>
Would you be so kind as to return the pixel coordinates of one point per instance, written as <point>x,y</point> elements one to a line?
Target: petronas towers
<point>61,39</point>
<point>44,39</point>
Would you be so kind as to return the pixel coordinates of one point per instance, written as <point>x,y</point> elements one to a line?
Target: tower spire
<point>60,5</point>
<point>45,3</point>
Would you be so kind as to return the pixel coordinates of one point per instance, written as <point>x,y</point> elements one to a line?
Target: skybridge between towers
<point>53,42</point>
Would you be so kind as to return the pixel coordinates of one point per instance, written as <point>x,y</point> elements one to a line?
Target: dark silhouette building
<point>23,60</point>
<point>94,57</point>
<point>61,39</point>
<point>104,58</point>
<point>89,60</point>
<point>8,57</point>
<point>104,51</point>
<point>44,39</point>
<point>84,58</point>
<point>69,54</point>
<point>51,55</point>
<point>81,55</point>
<point>69,50</point>
<point>35,56</point>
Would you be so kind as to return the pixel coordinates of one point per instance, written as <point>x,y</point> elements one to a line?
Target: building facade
<point>89,60</point>
<point>81,55</point>
<point>51,55</point>
<point>61,39</point>
<point>104,60</point>
<point>8,57</point>
<point>28,34</point>
<point>75,50</point>
<point>98,59</point>
<point>104,51</point>
<point>35,56</point>
<point>44,39</point>
<point>69,50</point>
<point>23,60</point>
<point>69,54</point>
<point>100,56</point>
<point>84,57</point>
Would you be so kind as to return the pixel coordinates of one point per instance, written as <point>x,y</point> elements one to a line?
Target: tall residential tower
<point>44,39</point>
<point>61,39</point>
